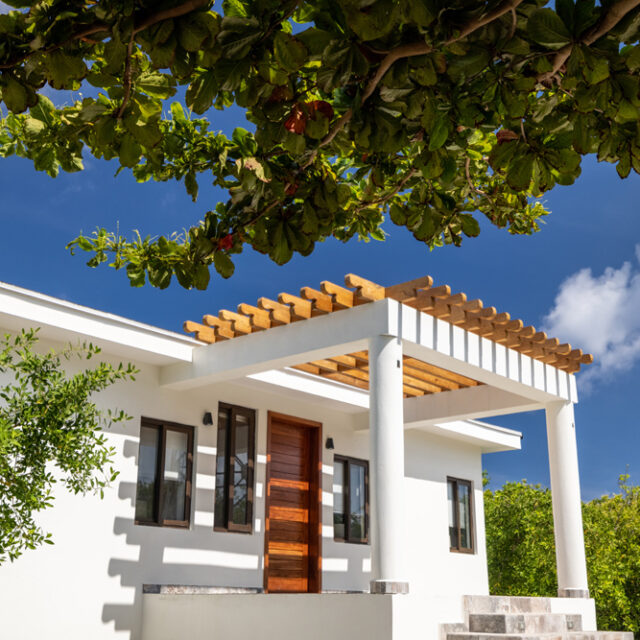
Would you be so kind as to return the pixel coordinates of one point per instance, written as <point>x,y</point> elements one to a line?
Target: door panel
<point>292,509</point>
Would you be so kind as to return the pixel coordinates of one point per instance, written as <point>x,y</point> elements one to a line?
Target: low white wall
<point>269,617</point>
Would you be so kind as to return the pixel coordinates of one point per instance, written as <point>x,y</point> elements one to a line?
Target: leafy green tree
<point>429,112</point>
<point>521,548</point>
<point>50,432</point>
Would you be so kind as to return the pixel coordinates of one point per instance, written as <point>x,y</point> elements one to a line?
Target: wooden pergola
<point>419,378</point>
<point>405,344</point>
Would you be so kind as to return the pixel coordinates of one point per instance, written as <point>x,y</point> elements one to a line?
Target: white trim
<point>62,320</point>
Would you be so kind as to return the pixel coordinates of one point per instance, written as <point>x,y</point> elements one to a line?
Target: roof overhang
<point>63,321</point>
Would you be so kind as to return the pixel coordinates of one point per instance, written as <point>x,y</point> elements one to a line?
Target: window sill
<point>160,525</point>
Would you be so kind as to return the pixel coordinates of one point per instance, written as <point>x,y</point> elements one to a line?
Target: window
<point>234,469</point>
<point>350,500</point>
<point>165,461</point>
<point>460,499</point>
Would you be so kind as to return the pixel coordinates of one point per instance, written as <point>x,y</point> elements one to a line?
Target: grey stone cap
<point>573,593</point>
<point>389,587</point>
<point>171,589</point>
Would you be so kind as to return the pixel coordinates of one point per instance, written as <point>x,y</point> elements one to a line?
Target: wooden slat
<point>341,377</point>
<point>366,291</point>
<point>278,313</point>
<point>422,385</point>
<point>307,368</point>
<point>443,383</point>
<point>346,361</point>
<point>326,365</point>
<point>202,333</point>
<point>222,329</point>
<point>342,298</point>
<point>239,323</point>
<point>442,373</point>
<point>300,308</point>
<point>321,303</point>
<point>260,319</point>
<point>406,291</point>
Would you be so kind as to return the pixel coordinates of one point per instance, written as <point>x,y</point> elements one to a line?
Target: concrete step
<point>524,622</point>
<point>566,635</point>
<point>506,604</point>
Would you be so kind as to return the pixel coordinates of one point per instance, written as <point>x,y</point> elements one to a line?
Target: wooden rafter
<point>418,377</point>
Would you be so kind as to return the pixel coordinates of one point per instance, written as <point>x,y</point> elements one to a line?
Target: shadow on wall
<point>195,556</point>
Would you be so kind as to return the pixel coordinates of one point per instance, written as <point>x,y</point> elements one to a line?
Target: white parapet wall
<point>297,616</point>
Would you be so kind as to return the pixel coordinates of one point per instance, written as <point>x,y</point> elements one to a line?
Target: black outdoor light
<point>207,418</point>
<point>329,444</point>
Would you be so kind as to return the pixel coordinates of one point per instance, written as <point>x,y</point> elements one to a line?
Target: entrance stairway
<point>518,618</point>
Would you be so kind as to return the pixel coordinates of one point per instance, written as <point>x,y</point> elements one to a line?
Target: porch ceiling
<point>439,301</point>
<point>419,378</point>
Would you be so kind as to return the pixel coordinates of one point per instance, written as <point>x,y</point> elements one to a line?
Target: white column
<point>567,505</point>
<point>386,467</point>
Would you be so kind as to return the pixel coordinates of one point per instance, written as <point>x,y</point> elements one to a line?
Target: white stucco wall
<point>88,585</point>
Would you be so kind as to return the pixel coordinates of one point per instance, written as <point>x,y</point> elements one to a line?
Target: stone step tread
<point>564,635</point>
<point>506,604</point>
<point>524,623</point>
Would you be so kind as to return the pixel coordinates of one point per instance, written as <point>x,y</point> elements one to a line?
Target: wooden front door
<point>292,522</point>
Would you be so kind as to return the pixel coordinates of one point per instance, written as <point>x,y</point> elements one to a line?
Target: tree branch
<point>610,19</point>
<point>127,79</point>
<point>169,14</point>
<point>388,196</point>
<point>408,51</point>
<point>149,21</point>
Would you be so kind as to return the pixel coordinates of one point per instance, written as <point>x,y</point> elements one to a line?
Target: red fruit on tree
<point>226,243</point>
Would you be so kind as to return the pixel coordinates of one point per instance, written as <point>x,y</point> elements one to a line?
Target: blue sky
<point>593,226</point>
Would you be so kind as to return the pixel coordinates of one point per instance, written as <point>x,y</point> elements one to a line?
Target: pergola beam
<point>425,337</point>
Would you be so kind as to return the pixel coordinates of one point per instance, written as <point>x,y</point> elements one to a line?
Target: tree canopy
<point>50,432</point>
<point>433,114</point>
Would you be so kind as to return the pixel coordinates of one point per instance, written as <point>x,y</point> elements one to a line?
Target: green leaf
<point>191,185</point>
<point>156,85</point>
<point>470,226</point>
<point>33,126</point>
<point>202,92</point>
<point>546,28</point>
<point>633,60</point>
<point>201,277</point>
<point>439,132</point>
<point>223,264</point>
<point>15,95</point>
<point>178,113</point>
<point>520,172</point>
<point>289,52</point>
<point>234,8</point>
<point>130,151</point>
<point>136,275</point>
<point>65,71</point>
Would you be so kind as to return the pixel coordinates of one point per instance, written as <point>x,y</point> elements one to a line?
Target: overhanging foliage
<point>432,113</point>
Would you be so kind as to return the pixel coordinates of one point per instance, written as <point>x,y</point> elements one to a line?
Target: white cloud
<point>601,315</point>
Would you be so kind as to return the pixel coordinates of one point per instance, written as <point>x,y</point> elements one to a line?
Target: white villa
<point>306,468</point>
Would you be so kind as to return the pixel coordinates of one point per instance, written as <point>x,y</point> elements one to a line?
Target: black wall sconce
<point>329,444</point>
<point>207,418</point>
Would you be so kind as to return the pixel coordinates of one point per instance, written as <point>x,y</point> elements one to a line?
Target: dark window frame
<point>163,426</point>
<point>472,528</point>
<point>348,461</point>
<point>230,439</point>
